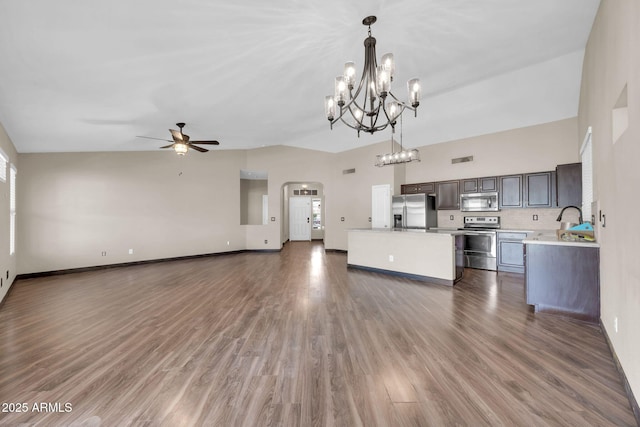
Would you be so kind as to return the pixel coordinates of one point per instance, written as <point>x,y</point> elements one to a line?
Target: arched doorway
<point>294,195</point>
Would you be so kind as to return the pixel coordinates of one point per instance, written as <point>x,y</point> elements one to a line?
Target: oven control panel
<point>482,221</point>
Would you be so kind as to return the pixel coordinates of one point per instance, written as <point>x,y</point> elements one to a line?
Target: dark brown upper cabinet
<point>569,185</point>
<point>427,187</point>
<point>409,189</point>
<point>487,184</point>
<point>479,185</point>
<point>510,187</point>
<point>421,188</point>
<point>539,190</point>
<point>469,185</point>
<point>448,195</point>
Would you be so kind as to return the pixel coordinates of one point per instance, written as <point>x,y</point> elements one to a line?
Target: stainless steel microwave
<point>479,202</point>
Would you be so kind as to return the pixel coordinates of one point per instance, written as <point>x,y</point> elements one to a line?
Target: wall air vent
<point>348,171</point>
<point>462,160</point>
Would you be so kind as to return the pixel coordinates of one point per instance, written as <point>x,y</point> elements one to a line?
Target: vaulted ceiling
<point>91,76</point>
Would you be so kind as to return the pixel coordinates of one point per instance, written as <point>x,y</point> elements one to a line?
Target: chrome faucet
<point>567,207</point>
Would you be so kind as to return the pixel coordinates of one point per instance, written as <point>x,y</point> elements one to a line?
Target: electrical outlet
<point>130,251</point>
<point>369,219</point>
<point>104,253</point>
<point>227,243</point>
<point>451,217</point>
<point>266,241</point>
<point>615,324</point>
<point>535,217</point>
<point>342,218</point>
<point>390,258</point>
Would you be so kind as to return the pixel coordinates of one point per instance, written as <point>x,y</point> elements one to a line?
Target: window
<point>317,214</point>
<point>12,210</point>
<point>3,166</point>
<point>586,153</point>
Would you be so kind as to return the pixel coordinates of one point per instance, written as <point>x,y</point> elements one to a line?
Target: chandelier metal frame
<point>379,107</point>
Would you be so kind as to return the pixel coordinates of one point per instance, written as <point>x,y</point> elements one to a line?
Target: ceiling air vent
<point>462,160</point>
<point>348,171</point>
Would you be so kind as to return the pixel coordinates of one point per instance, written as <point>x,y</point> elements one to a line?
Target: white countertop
<point>551,238</point>
<point>452,231</point>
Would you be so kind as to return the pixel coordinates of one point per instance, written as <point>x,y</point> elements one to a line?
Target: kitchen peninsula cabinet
<point>563,278</point>
<point>448,195</point>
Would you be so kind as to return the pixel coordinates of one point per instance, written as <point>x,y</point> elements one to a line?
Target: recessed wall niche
<point>620,116</point>
<point>254,198</point>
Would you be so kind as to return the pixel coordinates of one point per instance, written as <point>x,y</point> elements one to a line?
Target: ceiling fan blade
<point>177,135</point>
<point>195,147</point>
<point>168,146</point>
<point>206,142</point>
<point>150,137</point>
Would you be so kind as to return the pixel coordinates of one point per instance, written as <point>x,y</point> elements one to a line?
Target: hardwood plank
<point>297,339</point>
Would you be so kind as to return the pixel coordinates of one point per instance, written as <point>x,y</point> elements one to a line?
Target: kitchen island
<point>429,255</point>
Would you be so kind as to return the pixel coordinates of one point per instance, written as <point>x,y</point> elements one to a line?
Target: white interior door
<point>381,206</point>
<point>300,218</point>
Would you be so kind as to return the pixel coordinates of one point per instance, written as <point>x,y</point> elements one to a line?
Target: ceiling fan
<point>181,142</point>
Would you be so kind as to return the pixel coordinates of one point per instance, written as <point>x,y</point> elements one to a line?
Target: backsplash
<point>512,219</point>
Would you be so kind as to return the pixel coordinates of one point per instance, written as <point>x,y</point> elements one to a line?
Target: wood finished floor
<point>297,339</point>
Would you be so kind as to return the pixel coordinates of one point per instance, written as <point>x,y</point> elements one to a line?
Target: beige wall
<point>8,263</point>
<point>530,149</point>
<point>611,62</point>
<point>346,196</point>
<point>75,206</point>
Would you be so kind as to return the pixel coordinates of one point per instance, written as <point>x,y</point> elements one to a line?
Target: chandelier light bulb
<point>415,92</point>
<point>350,73</point>
<point>389,64</point>
<point>329,107</point>
<point>341,90</point>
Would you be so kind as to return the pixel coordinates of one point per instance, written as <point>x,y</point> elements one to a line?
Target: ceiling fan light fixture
<point>180,148</point>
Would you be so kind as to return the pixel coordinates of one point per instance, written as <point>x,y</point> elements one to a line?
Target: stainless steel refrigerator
<point>414,211</point>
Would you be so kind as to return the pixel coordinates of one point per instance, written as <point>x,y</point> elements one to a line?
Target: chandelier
<point>372,106</point>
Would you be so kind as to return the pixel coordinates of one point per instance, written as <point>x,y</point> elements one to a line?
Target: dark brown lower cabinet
<point>563,279</point>
<point>511,252</point>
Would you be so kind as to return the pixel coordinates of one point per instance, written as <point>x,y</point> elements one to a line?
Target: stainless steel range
<point>480,237</point>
